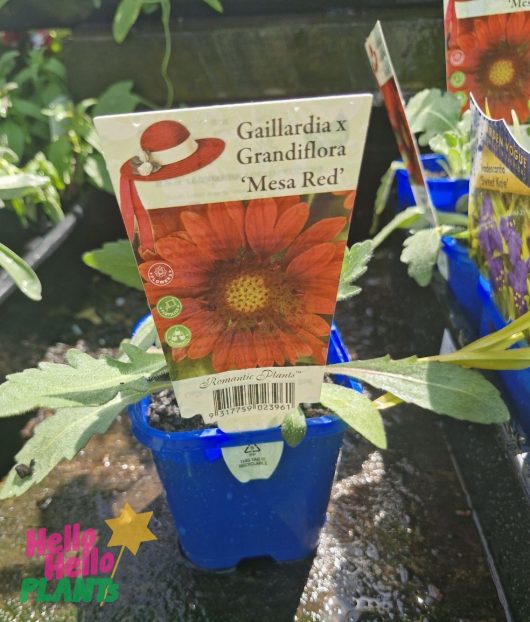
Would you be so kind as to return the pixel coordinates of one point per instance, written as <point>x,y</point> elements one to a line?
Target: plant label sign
<point>238,217</point>
<point>386,77</point>
<point>488,54</point>
<point>499,212</point>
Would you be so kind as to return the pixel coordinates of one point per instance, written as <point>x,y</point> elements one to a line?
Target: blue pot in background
<point>445,192</point>
<point>220,520</point>
<point>462,276</point>
<point>515,384</point>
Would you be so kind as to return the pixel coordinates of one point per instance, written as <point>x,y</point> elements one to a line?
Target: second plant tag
<point>386,77</point>
<point>238,217</point>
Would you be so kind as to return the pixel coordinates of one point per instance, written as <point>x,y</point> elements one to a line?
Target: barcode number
<point>243,397</point>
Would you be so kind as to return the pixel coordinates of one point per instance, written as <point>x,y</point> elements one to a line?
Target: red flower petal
<point>221,351</point>
<point>318,304</point>
<point>312,260</point>
<point>316,325</point>
<point>204,343</point>
<point>289,225</point>
<point>228,239</point>
<point>284,203</point>
<point>265,357</point>
<point>322,231</point>
<point>260,219</point>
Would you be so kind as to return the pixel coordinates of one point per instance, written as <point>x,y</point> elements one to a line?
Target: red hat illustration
<point>167,151</point>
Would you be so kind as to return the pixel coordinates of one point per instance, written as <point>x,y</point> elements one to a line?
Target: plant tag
<point>238,216</point>
<point>448,345</point>
<point>487,54</point>
<point>255,461</point>
<point>443,265</point>
<point>386,77</point>
<point>499,212</point>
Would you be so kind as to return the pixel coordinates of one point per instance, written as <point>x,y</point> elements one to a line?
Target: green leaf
<point>125,17</point>
<point>9,155</point>
<point>487,359</point>
<point>215,4</point>
<point>356,410</point>
<point>19,184</point>
<point>142,363</point>
<point>15,135</point>
<point>61,155</point>
<point>94,167</point>
<point>431,112</point>
<point>82,381</point>
<point>354,265</point>
<point>8,59</point>
<point>116,259</point>
<point>54,66</point>
<point>61,437</point>
<point>117,99</point>
<point>294,427</point>
<point>420,252</point>
<point>492,341</point>
<point>28,108</point>
<point>404,220</point>
<point>146,335</point>
<point>383,192</point>
<point>441,387</point>
<point>23,275</point>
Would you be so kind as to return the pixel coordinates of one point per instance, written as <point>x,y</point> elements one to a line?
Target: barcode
<point>253,395</point>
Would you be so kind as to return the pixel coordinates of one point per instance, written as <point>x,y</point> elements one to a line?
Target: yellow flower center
<point>247,293</point>
<point>501,72</point>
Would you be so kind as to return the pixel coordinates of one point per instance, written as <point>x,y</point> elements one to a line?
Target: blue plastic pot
<point>221,521</point>
<point>462,276</point>
<point>444,192</point>
<point>515,384</point>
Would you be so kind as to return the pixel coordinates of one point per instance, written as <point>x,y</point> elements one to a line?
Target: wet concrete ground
<point>399,544</point>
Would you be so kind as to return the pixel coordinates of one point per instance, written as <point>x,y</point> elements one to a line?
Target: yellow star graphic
<point>129,529</point>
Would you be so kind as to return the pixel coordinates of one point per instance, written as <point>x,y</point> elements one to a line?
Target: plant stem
<point>166,14</point>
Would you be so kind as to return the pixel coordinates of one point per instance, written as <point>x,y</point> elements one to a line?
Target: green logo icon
<point>457,79</point>
<point>169,307</point>
<point>178,336</point>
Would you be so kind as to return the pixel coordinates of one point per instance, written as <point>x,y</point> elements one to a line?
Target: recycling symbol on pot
<point>252,449</point>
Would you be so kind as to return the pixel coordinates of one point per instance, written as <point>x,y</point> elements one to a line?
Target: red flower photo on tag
<point>489,56</point>
<point>257,280</point>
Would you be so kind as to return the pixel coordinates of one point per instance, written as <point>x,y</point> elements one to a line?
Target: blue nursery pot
<point>445,192</point>
<point>462,276</point>
<point>221,521</point>
<point>515,384</point>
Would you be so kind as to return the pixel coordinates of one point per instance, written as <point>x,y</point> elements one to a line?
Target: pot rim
<point>214,437</point>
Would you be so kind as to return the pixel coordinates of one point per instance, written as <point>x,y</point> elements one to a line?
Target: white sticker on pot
<point>254,461</point>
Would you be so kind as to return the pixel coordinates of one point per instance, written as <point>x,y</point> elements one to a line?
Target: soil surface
<point>399,544</point>
<point>164,414</point>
